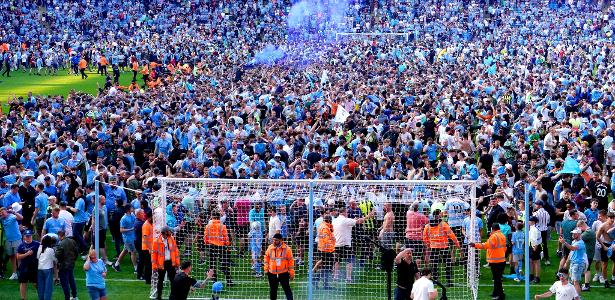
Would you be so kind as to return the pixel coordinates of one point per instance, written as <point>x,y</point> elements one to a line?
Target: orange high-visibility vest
<point>82,64</point>
<point>158,252</point>
<point>147,235</point>
<point>145,70</point>
<point>326,239</point>
<point>103,61</point>
<point>279,260</point>
<point>496,247</point>
<point>216,234</point>
<point>135,66</point>
<point>436,237</point>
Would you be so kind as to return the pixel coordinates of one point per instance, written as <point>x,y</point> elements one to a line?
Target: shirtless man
<point>605,236</point>
<point>387,233</point>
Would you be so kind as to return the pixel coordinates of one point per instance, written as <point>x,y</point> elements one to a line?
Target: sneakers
<point>74,298</point>
<point>548,263</point>
<point>596,278</point>
<point>486,265</point>
<point>559,254</point>
<point>517,279</point>
<point>258,275</point>
<point>115,267</point>
<point>602,280</point>
<point>536,280</point>
<point>109,263</point>
<point>13,276</point>
<point>607,285</point>
<point>585,287</point>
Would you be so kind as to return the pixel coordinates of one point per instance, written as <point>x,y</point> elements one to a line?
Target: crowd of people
<point>517,96</point>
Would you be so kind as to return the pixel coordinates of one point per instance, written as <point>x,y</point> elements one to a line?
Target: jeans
<point>67,279</point>
<point>497,269</point>
<point>78,234</point>
<point>45,284</point>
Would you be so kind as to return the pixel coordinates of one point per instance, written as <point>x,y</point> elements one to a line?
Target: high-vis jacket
<point>436,237</point>
<point>326,239</point>
<point>147,236</point>
<point>496,247</point>
<point>279,260</point>
<point>367,207</point>
<point>216,234</point>
<point>158,252</point>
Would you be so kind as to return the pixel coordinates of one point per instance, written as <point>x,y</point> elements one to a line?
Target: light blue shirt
<point>81,215</point>
<point>54,225</point>
<point>11,228</point>
<point>128,222</point>
<point>257,216</point>
<point>41,202</point>
<point>578,256</point>
<point>93,276</point>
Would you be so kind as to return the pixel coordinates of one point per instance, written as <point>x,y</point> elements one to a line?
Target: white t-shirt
<point>342,230</point>
<point>68,218</point>
<point>421,289</point>
<point>46,260</point>
<point>274,225</point>
<point>563,292</point>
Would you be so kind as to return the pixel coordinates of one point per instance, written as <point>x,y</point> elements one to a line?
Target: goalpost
<point>296,207</point>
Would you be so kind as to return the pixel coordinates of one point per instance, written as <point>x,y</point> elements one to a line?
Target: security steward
<point>147,239</point>
<point>279,267</point>
<point>165,258</point>
<point>326,248</point>
<point>496,257</point>
<point>217,242</point>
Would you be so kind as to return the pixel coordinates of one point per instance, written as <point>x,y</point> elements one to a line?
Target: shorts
<point>603,254</point>
<point>418,248</point>
<point>96,293</point>
<point>39,223</point>
<point>101,240</point>
<point>344,254</point>
<point>10,247</point>
<point>401,293</point>
<point>517,257</point>
<point>597,255</point>
<point>576,271</point>
<point>130,246</point>
<point>28,275</point>
<point>535,255</point>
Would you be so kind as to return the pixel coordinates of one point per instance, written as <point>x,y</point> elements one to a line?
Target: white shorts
<point>597,256</point>
<point>517,257</point>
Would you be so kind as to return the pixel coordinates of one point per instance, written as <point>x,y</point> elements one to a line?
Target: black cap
<point>534,219</point>
<point>278,236</point>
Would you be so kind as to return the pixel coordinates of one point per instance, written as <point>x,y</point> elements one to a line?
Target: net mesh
<point>384,214</point>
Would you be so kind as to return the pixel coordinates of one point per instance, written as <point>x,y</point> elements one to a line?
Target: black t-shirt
<point>406,273</point>
<point>180,287</point>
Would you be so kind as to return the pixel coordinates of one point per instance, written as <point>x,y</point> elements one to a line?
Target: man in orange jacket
<point>217,242</point>
<point>496,257</point>
<point>326,247</point>
<point>82,65</point>
<point>147,240</point>
<point>279,267</point>
<point>165,258</point>
<point>436,237</point>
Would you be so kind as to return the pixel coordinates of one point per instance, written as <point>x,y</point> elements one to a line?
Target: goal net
<point>384,36</point>
<point>367,218</point>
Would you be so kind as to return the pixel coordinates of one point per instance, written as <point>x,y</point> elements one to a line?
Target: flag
<point>341,115</point>
<point>571,166</point>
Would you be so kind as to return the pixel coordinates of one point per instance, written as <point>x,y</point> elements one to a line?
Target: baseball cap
<point>576,230</point>
<point>28,233</point>
<point>278,236</point>
<point>533,219</point>
<point>540,202</point>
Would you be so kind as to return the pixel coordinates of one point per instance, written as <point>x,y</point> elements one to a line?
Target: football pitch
<point>21,82</point>
<point>123,285</point>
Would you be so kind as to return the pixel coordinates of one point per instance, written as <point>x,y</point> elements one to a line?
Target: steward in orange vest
<point>436,237</point>
<point>165,258</point>
<point>496,257</point>
<point>326,246</point>
<point>216,240</point>
<point>279,267</point>
<point>147,240</point>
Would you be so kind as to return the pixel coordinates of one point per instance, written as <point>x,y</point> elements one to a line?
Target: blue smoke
<point>317,14</point>
<point>268,56</point>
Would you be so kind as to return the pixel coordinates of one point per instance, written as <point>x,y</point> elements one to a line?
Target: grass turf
<point>21,82</point>
<point>122,285</point>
